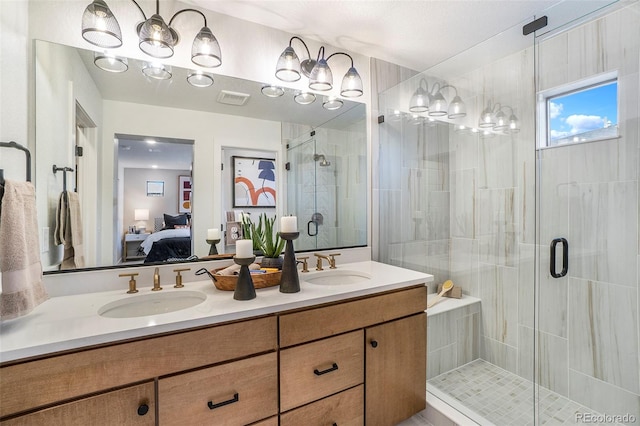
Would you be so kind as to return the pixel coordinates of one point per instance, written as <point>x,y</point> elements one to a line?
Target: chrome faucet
<point>156,280</point>
<point>330,258</point>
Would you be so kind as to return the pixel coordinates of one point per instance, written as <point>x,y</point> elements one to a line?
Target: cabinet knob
<point>143,409</point>
<point>374,343</point>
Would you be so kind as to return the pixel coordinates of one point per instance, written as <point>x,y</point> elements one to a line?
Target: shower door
<point>587,352</point>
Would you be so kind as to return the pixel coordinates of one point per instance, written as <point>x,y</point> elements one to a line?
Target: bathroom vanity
<point>334,353</point>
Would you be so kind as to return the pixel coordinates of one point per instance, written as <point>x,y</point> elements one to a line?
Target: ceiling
<point>413,33</point>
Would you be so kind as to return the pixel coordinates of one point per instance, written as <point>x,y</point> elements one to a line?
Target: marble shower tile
<point>553,60</point>
<point>463,203</point>
<point>602,397</point>
<point>554,185</point>
<point>463,152</point>
<point>496,226</point>
<point>390,155</point>
<point>468,338</point>
<point>504,356</point>
<point>464,265</point>
<point>442,331</point>
<point>497,151</point>
<point>603,332</point>
<point>499,294</point>
<point>526,352</point>
<point>551,363</point>
<point>603,232</point>
<point>526,285</point>
<point>441,360</point>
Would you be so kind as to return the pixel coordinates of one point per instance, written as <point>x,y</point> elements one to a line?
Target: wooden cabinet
<point>396,370</point>
<point>133,405</point>
<point>311,366</point>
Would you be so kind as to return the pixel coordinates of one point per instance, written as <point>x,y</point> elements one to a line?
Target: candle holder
<point>213,249</point>
<point>244,287</point>
<point>289,281</point>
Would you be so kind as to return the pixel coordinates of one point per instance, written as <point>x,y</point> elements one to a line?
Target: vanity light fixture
<point>272,91</point>
<point>331,103</point>
<point>434,102</point>
<point>494,118</point>
<point>157,70</point>
<point>156,37</point>
<point>108,62</point>
<point>289,68</point>
<point>199,78</point>
<point>304,98</point>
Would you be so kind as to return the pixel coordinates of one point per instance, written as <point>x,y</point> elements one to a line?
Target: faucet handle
<point>303,260</point>
<point>179,277</point>
<point>132,282</point>
<point>332,260</point>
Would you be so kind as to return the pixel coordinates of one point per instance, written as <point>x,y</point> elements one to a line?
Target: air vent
<point>233,98</point>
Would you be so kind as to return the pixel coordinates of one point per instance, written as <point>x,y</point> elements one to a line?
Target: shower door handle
<point>309,228</point>
<point>565,257</point>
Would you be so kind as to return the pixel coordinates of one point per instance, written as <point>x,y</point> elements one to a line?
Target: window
<point>583,111</point>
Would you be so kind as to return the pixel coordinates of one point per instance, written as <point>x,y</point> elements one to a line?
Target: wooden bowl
<point>228,282</point>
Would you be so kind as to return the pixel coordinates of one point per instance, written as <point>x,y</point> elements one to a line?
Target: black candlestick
<point>289,281</point>
<point>213,249</point>
<point>244,287</point>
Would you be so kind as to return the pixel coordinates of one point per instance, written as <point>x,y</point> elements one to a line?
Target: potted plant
<point>266,240</point>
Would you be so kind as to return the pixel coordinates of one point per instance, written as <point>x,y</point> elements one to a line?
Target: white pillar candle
<point>244,249</point>
<point>213,234</point>
<point>288,224</point>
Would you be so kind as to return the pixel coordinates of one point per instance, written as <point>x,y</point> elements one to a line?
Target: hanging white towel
<point>22,288</point>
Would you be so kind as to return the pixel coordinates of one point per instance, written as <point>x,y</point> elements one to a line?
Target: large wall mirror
<point>141,151</point>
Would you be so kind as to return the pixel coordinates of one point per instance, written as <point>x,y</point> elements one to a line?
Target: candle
<point>244,249</point>
<point>213,234</point>
<point>289,224</point>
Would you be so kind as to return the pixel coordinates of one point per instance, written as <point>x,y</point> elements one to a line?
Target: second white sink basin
<point>152,304</point>
<point>335,277</point>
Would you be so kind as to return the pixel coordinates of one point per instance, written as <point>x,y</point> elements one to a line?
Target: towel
<point>69,230</point>
<point>22,288</point>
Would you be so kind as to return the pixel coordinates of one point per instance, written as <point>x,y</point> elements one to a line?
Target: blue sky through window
<point>583,111</point>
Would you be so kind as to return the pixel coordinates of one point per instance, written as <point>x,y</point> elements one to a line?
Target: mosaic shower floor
<point>498,397</point>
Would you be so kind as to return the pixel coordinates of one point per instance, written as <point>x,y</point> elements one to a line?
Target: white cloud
<point>555,134</point>
<point>583,123</point>
<point>555,109</point>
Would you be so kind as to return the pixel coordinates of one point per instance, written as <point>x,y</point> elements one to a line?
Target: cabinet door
<point>134,405</point>
<point>236,393</point>
<point>396,375</point>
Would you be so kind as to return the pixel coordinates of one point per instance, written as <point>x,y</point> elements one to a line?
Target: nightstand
<point>132,243</point>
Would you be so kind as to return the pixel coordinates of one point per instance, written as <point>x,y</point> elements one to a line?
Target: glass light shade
<point>205,50</point>
<point>332,103</point>
<point>200,79</point>
<point>156,39</point>
<point>351,84</point>
<point>457,108</point>
<point>437,106</point>
<point>100,27</point>
<point>419,101</point>
<point>321,77</point>
<point>501,121</point>
<point>110,63</point>
<point>272,91</point>
<point>288,67</point>
<point>514,126</point>
<point>486,119</point>
<point>157,71</point>
<point>304,98</point>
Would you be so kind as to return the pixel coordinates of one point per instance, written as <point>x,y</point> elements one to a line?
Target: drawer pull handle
<point>317,372</point>
<point>213,406</point>
<point>374,343</point>
<point>143,409</point>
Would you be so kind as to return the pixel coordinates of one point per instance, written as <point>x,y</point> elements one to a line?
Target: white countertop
<point>71,322</point>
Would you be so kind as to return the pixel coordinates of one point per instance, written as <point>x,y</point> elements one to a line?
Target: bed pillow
<point>170,222</point>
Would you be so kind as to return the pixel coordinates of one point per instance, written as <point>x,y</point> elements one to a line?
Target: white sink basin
<point>151,304</point>
<point>335,277</point>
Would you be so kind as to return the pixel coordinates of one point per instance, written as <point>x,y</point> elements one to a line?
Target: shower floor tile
<point>501,397</point>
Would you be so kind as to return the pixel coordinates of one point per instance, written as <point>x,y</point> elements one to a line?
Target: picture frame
<point>155,188</point>
<point>254,182</point>
<point>184,194</point>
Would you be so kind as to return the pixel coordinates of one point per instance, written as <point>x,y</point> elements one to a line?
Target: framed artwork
<point>155,188</point>
<point>184,194</point>
<point>254,182</point>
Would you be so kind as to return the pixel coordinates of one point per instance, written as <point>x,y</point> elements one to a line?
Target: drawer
<point>134,405</point>
<point>235,393</point>
<point>273,421</point>
<point>344,409</point>
<point>313,324</point>
<point>312,371</point>
<point>37,383</point>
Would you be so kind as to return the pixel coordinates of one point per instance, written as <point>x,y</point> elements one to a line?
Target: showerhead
<point>322,160</point>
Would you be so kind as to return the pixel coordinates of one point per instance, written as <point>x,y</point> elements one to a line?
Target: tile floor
<point>500,397</point>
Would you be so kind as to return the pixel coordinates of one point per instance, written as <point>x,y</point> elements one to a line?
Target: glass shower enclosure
<point>541,237</point>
